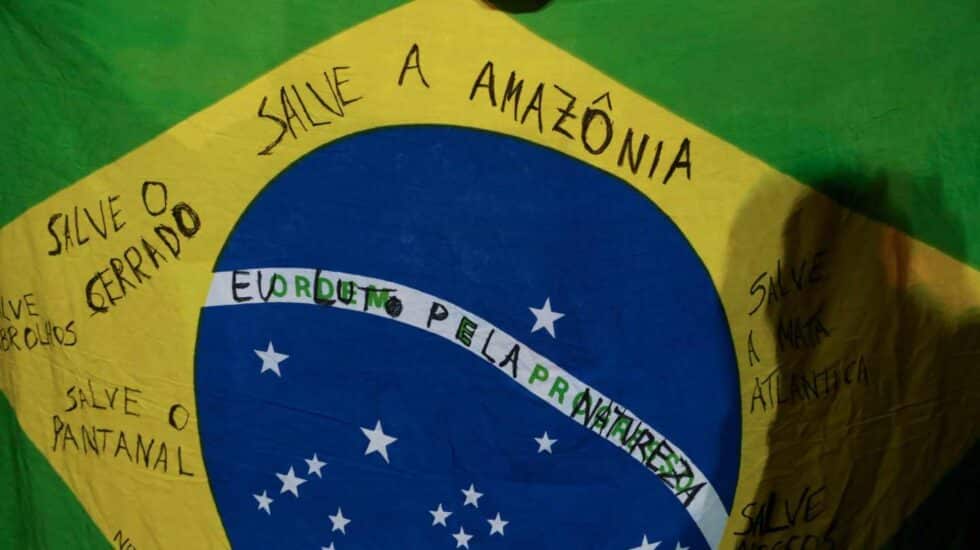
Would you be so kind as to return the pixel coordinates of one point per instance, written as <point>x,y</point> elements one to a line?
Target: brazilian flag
<point>466,274</point>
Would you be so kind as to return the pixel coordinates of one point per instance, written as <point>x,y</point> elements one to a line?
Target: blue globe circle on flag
<point>328,426</point>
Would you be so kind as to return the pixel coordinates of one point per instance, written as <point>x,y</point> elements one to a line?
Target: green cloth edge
<point>37,509</point>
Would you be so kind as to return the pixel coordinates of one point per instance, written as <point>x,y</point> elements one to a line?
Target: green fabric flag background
<point>864,91</point>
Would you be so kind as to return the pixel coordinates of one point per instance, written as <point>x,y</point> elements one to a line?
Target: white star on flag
<point>497,525</point>
<point>315,465</point>
<point>271,359</point>
<point>545,443</point>
<point>264,502</point>
<point>378,441</point>
<point>646,545</point>
<point>544,318</point>
<point>339,521</point>
<point>290,482</point>
<point>472,496</point>
<point>439,516</point>
<point>327,547</point>
<point>462,539</point>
